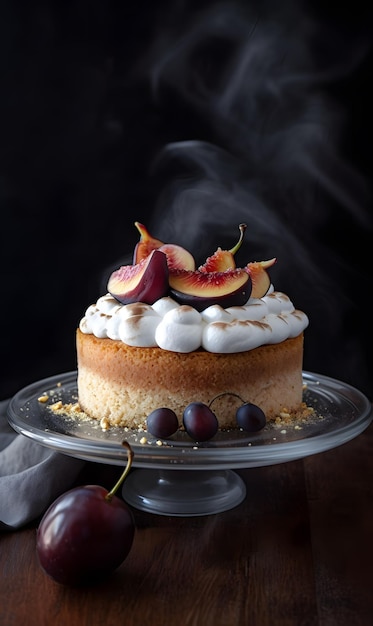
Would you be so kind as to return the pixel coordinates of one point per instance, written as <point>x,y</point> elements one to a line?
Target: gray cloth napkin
<point>31,476</point>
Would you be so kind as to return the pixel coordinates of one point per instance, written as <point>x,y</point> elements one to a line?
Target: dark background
<point>190,117</point>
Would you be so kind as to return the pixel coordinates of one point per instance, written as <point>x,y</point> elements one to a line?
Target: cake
<point>167,334</point>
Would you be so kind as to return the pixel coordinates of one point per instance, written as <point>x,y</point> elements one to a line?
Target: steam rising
<point>265,151</point>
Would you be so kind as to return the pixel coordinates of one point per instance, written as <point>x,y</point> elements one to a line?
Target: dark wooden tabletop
<point>297,551</point>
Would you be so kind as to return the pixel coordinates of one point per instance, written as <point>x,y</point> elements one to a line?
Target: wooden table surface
<point>298,551</point>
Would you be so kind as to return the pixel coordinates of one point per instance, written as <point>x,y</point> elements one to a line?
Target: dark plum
<point>250,417</point>
<point>85,534</point>
<point>199,421</point>
<point>162,423</point>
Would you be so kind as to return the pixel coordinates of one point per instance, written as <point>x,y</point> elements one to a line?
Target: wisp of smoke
<point>266,152</point>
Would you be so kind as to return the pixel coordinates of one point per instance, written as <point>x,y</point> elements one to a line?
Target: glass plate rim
<point>194,456</point>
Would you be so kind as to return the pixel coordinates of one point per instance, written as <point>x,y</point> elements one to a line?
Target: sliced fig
<point>260,279</point>
<point>146,244</point>
<point>223,260</point>
<point>178,258</point>
<point>202,289</point>
<point>146,281</point>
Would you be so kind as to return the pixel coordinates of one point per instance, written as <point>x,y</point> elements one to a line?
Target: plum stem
<point>112,492</point>
<point>225,393</point>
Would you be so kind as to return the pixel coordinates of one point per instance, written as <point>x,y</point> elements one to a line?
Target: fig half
<point>145,245</point>
<point>223,260</point>
<point>146,281</point>
<point>260,279</point>
<point>202,289</point>
<point>177,257</point>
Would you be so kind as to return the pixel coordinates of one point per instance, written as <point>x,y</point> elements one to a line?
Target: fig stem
<point>242,228</point>
<point>112,492</point>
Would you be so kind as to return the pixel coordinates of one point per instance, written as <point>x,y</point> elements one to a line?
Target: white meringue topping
<point>181,328</point>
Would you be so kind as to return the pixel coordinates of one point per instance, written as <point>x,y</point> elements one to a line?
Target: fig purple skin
<point>83,537</point>
<point>238,297</point>
<point>145,282</point>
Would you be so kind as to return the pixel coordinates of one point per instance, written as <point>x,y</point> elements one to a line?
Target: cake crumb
<point>282,423</point>
<point>104,423</point>
<point>71,409</point>
<point>294,419</point>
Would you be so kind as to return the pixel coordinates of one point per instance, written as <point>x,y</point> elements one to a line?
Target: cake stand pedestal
<point>184,494</point>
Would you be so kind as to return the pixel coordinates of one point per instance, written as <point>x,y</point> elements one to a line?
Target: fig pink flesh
<point>145,245</point>
<point>208,284</point>
<point>178,257</point>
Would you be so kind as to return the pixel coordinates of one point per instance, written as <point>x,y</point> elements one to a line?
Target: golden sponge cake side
<point>123,384</point>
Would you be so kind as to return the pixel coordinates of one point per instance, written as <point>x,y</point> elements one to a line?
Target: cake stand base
<point>183,493</point>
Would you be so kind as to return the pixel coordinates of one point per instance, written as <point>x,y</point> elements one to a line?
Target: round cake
<point>123,384</point>
<point>167,334</point>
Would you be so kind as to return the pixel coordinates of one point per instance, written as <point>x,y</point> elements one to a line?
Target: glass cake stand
<point>178,476</point>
